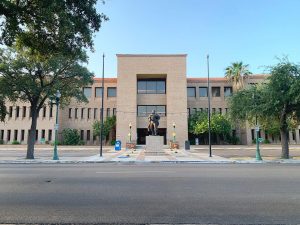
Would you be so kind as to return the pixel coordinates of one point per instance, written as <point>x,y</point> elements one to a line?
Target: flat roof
<point>151,55</point>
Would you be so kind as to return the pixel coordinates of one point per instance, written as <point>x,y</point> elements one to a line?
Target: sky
<point>255,32</point>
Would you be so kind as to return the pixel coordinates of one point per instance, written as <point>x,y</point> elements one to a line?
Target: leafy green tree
<point>71,137</point>
<point>109,126</point>
<point>220,124</point>
<point>25,78</point>
<point>49,27</point>
<point>274,104</point>
<point>236,73</point>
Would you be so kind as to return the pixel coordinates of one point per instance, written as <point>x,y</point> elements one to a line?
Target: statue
<point>153,119</point>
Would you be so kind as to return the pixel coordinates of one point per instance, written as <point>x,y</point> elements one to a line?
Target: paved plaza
<point>197,154</point>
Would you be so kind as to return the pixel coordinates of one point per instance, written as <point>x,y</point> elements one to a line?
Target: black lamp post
<point>57,98</point>
<point>102,100</point>
<point>208,93</point>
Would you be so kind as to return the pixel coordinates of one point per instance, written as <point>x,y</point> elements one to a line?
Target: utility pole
<point>102,100</point>
<point>208,93</point>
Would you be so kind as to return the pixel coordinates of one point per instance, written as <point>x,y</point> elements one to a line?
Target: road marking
<point>148,171</point>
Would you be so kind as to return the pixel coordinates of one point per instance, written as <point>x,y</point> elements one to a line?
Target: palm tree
<point>236,73</point>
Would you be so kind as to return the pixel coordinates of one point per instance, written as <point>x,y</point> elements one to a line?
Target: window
<point>70,113</point>
<point>76,113</point>
<point>10,111</point>
<point>22,135</point>
<point>201,109</point>
<point>145,110</point>
<point>49,135</point>
<point>194,110</point>
<point>24,111</point>
<point>220,110</point>
<point>114,111</point>
<point>17,111</point>
<point>51,112</point>
<point>215,92</point>
<point>15,135</point>
<point>111,92</point>
<point>30,111</point>
<point>152,86</point>
<point>81,134</point>
<point>203,91</point>
<point>89,113</point>
<point>213,110</point>
<point>98,92</point>
<point>8,135</point>
<point>294,135</point>
<point>87,91</point>
<point>95,113</point>
<point>2,135</point>
<point>82,113</point>
<point>43,134</point>
<point>88,135</point>
<point>226,110</point>
<point>191,92</point>
<point>189,111</point>
<point>108,112</point>
<point>227,91</point>
<point>36,135</point>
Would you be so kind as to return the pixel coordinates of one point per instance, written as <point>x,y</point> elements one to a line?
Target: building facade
<point>144,83</point>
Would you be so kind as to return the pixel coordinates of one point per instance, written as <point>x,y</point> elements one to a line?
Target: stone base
<point>154,143</point>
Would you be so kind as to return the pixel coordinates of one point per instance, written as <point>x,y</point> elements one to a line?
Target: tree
<point>220,124</point>
<point>276,103</point>
<point>26,78</point>
<point>109,126</point>
<point>49,27</point>
<point>71,137</point>
<point>236,73</point>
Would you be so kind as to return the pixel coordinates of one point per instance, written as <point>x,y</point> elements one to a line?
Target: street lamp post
<point>102,100</point>
<point>208,93</point>
<point>257,153</point>
<point>174,133</point>
<point>57,98</point>
<point>130,132</point>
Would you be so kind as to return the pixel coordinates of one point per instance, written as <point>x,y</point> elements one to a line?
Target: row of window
<point>203,91</point>
<point>267,136</point>
<point>26,111</point>
<point>145,110</point>
<point>74,113</point>
<point>151,86</point>
<point>111,92</point>
<point>19,135</point>
<point>213,110</point>
<point>14,135</point>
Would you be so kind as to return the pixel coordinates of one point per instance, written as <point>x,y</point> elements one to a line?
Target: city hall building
<point>144,83</point>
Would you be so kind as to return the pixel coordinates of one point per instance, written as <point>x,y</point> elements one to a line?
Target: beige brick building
<point>143,83</point>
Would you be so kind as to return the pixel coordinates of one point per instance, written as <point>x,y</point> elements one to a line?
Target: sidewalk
<point>141,156</point>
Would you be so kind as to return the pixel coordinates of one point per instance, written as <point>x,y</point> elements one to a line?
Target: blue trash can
<point>118,145</point>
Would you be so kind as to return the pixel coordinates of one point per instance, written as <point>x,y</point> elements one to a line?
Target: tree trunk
<point>284,135</point>
<point>31,136</point>
<point>284,143</point>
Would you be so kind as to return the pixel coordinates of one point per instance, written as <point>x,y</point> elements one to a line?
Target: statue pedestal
<point>154,143</point>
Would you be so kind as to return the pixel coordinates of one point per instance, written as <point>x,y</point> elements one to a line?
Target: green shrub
<point>234,140</point>
<point>15,142</point>
<point>113,142</point>
<point>1,142</point>
<point>71,137</point>
<point>266,141</point>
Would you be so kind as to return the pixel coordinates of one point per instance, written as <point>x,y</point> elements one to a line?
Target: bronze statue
<point>153,119</point>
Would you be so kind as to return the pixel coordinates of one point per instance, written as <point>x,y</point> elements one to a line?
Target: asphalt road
<point>150,193</point>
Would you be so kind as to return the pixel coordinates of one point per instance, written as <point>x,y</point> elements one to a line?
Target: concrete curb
<point>148,162</point>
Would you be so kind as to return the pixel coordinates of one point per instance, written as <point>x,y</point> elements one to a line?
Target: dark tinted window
<point>111,92</point>
<point>151,86</point>
<point>203,91</point>
<point>191,92</point>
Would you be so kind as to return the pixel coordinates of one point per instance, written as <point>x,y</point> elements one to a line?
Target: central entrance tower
<point>147,82</point>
